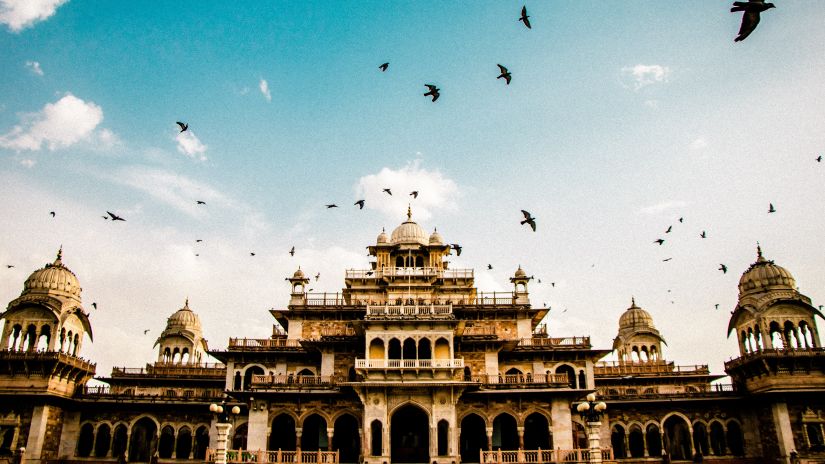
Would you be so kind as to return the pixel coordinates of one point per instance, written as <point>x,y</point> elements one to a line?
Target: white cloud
<point>699,144</point>
<point>29,163</point>
<point>34,66</point>
<point>662,207</point>
<point>653,104</point>
<point>58,125</point>
<point>264,86</point>
<point>20,14</point>
<point>435,190</point>
<point>643,75</point>
<point>190,145</point>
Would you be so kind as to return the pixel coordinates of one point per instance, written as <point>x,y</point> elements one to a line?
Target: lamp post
<point>223,423</point>
<point>591,413</point>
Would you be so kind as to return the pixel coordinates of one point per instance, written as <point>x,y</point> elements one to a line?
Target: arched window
<point>580,436</point>
<point>376,348</point>
<point>183,447</point>
<point>119,440</point>
<point>571,374</point>
<point>468,375</point>
<point>443,437</point>
<point>790,335</point>
<point>700,438</point>
<point>654,353</point>
<point>717,439</point>
<point>399,261</point>
<point>176,356</point>
<point>582,380</point>
<point>677,438</point>
<point>45,337</point>
<point>282,435</point>
<point>236,384</point>
<point>394,349</point>
<point>442,349</point>
<point>505,433</point>
<point>776,336</point>
<point>735,440</point>
<point>643,355</point>
<point>104,437</point>
<point>142,439</point>
<point>314,436</point>
<point>76,345</point>
<point>419,261</point>
<point>201,442</point>
<point>473,438</point>
<point>31,334</point>
<point>247,376</point>
<point>166,445</point>
<point>424,349</point>
<point>536,432</point>
<point>744,339</point>
<point>167,355</point>
<point>617,441</point>
<point>654,440</point>
<point>409,349</point>
<point>376,438</point>
<point>86,440</point>
<point>636,442</point>
<point>184,357</point>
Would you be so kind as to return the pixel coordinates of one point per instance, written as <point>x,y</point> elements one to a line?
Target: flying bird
<point>457,248</point>
<point>52,213</point>
<point>115,217</point>
<point>771,209</point>
<point>198,241</point>
<point>529,219</point>
<point>819,159</point>
<point>703,234</point>
<point>414,194</point>
<point>94,305</point>
<point>716,305</point>
<point>369,273</point>
<point>317,276</point>
<point>524,17</point>
<point>681,219</point>
<point>9,266</point>
<point>659,241</point>
<point>360,204</point>
<point>183,126</point>
<point>105,217</point>
<point>505,74</point>
<point>292,251</point>
<point>433,92</point>
<point>669,228</point>
<point>145,331</point>
<point>667,259</point>
<point>723,268</point>
<point>333,205</point>
<point>489,266</point>
<point>552,284</point>
<point>201,202</point>
<point>389,192</point>
<point>251,254</point>
<point>750,19</point>
<point>384,67</point>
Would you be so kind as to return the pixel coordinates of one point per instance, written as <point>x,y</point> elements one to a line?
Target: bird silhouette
<point>716,305</point>
<point>197,254</point>
<point>524,17</point>
<point>414,193</point>
<point>750,19</point>
<point>667,259</point>
<point>360,204</point>
<point>457,248</point>
<point>333,205</point>
<point>292,251</point>
<point>251,254</point>
<point>317,276</point>
<point>384,67</point>
<point>94,305</point>
<point>681,219</point>
<point>105,217</point>
<point>145,331</point>
<point>9,266</point>
<point>771,209</point>
<point>552,284</point>
<point>369,273</point>
<point>311,289</point>
<point>198,241</point>
<point>819,159</point>
<point>489,266</point>
<point>389,192</point>
<point>115,217</point>
<point>433,92</point>
<point>183,126</point>
<point>703,234</point>
<point>659,241</point>
<point>669,228</point>
<point>528,219</point>
<point>201,202</point>
<point>505,74</point>
<point>723,268</point>
<point>52,213</point>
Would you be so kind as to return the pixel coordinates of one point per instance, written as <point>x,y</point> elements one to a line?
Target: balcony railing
<point>569,456</point>
<point>294,381</point>
<point>556,342</point>
<point>479,331</point>
<point>402,272</point>
<point>278,457</point>
<point>262,344</point>
<point>176,394</point>
<point>653,367</point>
<point>43,356</point>
<point>409,363</point>
<point>338,332</point>
<point>494,298</point>
<point>664,390</point>
<point>172,369</point>
<point>409,310</point>
<point>774,353</point>
<point>522,379</point>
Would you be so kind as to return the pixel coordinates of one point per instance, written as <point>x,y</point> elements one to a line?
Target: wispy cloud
<point>29,163</point>
<point>190,145</point>
<point>643,75</point>
<point>699,144</point>
<point>20,14</point>
<point>264,86</point>
<point>58,125</point>
<point>34,67</point>
<point>435,190</point>
<point>663,206</point>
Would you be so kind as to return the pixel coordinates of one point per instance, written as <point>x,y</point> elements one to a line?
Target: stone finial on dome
<point>59,260</point>
<point>632,302</point>
<point>409,212</point>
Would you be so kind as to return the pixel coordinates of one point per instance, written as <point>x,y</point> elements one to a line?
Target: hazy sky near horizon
<point>621,117</point>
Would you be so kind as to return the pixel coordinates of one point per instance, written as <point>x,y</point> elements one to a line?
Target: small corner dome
<point>635,318</point>
<point>53,278</point>
<point>435,238</point>
<point>382,238</point>
<point>520,272</point>
<point>764,275</point>
<point>299,274</point>
<point>184,319</point>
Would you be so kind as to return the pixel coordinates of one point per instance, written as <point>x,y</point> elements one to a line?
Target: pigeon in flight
<point>115,217</point>
<point>750,18</point>
<point>771,209</point>
<point>524,17</point>
<point>369,273</point>
<point>145,331</point>
<point>552,284</point>
<point>659,241</point>
<point>505,74</point>
<point>360,204</point>
<point>681,219</point>
<point>819,159</point>
<point>457,248</point>
<point>723,268</point>
<point>332,205</point>
<point>716,305</point>
<point>384,67</point>
<point>9,266</point>
<point>105,217</point>
<point>251,254</point>
<point>414,194</point>
<point>317,276</point>
<point>669,228</point>
<point>94,305</point>
<point>198,240</point>
<point>389,192</point>
<point>529,219</point>
<point>183,126</point>
<point>667,259</point>
<point>292,251</point>
<point>433,92</point>
<point>703,234</point>
<point>201,202</point>
<point>489,266</point>
<point>52,213</point>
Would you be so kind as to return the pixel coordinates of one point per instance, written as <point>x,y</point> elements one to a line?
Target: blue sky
<point>621,117</point>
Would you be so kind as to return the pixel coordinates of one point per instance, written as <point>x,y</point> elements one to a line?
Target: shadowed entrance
<point>410,440</point>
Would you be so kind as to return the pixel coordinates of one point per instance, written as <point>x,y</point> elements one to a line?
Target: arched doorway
<point>239,436</point>
<point>183,446</point>
<point>85,441</point>
<point>143,441</point>
<point>654,440</point>
<point>167,442</point>
<point>580,436</point>
<point>346,439</point>
<point>677,438</point>
<point>102,441</point>
<point>201,442</point>
<point>410,435</point>
<point>247,377</point>
<point>736,442</point>
<point>700,438</point>
<point>571,374</point>
<point>119,440</point>
<point>314,436</point>
<point>473,438</point>
<point>636,442</point>
<point>537,432</point>
<point>282,436</point>
<point>505,433</point>
<point>617,442</point>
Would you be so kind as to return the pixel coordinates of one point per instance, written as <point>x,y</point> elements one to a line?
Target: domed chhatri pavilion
<point>411,363</point>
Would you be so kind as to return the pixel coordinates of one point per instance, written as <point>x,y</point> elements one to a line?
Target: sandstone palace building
<point>411,363</point>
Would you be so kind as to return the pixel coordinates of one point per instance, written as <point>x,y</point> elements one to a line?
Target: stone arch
<point>85,440</point>
<point>473,437</point>
<point>442,348</point>
<point>735,438</point>
<point>537,432</point>
<point>166,443</point>
<point>409,433</point>
<point>120,439</point>
<point>103,437</point>
<point>505,432</point>
<point>653,437</point>
<point>425,350</point>
<point>183,444</point>
<point>775,331</point>
<point>314,432</point>
<point>143,438</point>
<point>677,436</point>
<point>717,438</point>
<point>635,441</point>
<point>376,349</point>
<point>617,436</point>
<point>237,380</point>
<point>409,349</point>
<point>282,432</point>
<point>45,337</point>
<point>579,435</point>
<point>570,371</point>
<point>248,372</point>
<point>700,437</point>
<point>394,348</point>
<point>376,438</point>
<point>201,442</point>
<point>442,437</point>
<point>239,436</point>
<point>346,438</point>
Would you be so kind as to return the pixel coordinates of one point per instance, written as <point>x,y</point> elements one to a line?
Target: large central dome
<point>53,278</point>
<point>409,232</point>
<point>764,275</point>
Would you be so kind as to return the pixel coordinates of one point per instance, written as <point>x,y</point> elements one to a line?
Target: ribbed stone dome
<point>382,238</point>
<point>299,274</point>
<point>435,238</point>
<point>184,319</point>
<point>764,275</point>
<point>409,232</point>
<point>53,278</point>
<point>520,272</point>
<point>635,318</point>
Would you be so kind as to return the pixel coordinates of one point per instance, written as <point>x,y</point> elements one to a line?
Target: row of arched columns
<point>779,336</point>
<point>140,440</point>
<point>678,437</point>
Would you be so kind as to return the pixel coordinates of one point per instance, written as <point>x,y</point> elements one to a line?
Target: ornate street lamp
<point>591,413</point>
<point>224,417</point>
